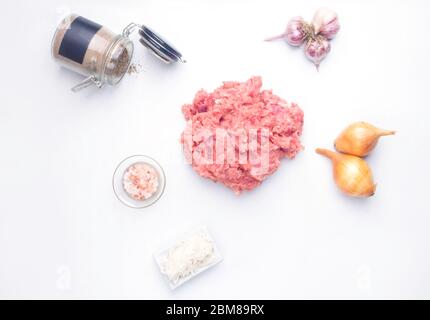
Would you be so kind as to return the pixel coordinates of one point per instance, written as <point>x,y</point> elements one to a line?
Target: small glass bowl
<point>118,187</point>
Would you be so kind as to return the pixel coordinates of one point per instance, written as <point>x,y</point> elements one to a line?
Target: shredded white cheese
<point>188,256</point>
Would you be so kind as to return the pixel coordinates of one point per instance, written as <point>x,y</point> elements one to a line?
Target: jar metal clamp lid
<point>155,43</point>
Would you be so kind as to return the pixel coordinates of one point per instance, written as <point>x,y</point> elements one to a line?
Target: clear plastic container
<point>92,50</point>
<point>197,257</point>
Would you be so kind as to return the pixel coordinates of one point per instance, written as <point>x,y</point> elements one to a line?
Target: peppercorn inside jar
<point>92,50</point>
<point>101,55</point>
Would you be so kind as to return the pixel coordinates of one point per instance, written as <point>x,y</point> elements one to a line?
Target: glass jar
<point>119,181</point>
<point>101,55</point>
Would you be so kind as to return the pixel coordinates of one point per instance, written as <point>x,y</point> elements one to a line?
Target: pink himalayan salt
<point>233,107</point>
<point>140,181</point>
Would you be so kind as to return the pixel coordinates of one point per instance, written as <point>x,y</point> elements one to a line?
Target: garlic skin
<point>296,32</point>
<point>326,23</point>
<point>352,174</point>
<point>316,49</point>
<point>360,138</point>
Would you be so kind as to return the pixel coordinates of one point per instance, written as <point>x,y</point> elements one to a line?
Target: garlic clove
<point>351,174</point>
<point>359,139</point>
<point>316,49</point>
<point>296,32</point>
<point>326,23</point>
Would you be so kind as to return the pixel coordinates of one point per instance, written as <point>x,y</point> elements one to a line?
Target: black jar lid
<point>159,46</point>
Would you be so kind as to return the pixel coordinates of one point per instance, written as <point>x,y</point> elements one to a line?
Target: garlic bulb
<point>326,23</point>
<point>316,49</point>
<point>296,32</point>
<point>351,174</point>
<point>359,139</point>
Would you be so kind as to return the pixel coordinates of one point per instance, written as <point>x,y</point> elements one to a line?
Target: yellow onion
<point>351,174</point>
<point>359,139</point>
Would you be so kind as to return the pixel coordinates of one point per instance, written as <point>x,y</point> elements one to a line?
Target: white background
<point>63,234</point>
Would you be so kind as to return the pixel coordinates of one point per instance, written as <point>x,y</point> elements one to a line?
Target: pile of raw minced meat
<point>238,134</point>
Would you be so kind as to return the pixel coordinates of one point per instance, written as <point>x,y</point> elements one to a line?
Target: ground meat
<point>238,134</point>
